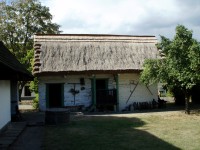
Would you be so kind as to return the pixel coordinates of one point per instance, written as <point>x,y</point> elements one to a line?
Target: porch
<point>106,100</point>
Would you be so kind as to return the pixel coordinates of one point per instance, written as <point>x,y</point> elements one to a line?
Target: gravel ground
<point>25,107</point>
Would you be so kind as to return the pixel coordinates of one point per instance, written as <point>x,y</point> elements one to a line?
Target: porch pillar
<point>117,90</point>
<point>94,91</point>
<point>62,95</point>
<point>47,95</point>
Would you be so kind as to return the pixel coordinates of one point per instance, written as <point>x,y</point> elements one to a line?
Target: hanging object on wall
<point>82,88</point>
<point>74,91</point>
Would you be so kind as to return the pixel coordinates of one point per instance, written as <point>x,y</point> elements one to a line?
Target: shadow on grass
<point>103,133</point>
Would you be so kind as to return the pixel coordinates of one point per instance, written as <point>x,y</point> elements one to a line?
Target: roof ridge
<point>109,35</point>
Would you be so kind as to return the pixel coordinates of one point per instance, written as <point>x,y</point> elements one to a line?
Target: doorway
<point>101,84</point>
<point>55,94</point>
<point>102,100</point>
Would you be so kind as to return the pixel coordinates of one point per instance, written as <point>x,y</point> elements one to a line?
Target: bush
<point>169,94</point>
<point>36,101</point>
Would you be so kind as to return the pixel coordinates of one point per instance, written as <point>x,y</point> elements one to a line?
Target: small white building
<point>11,72</point>
<point>92,71</point>
<point>27,94</point>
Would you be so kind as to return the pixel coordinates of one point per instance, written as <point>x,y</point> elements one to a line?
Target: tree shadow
<point>103,133</point>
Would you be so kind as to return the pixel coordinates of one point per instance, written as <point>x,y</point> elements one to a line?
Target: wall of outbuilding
<point>127,83</point>
<point>5,103</point>
<point>84,97</point>
<point>131,90</point>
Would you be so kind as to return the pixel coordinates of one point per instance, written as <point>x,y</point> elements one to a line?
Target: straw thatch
<point>78,53</point>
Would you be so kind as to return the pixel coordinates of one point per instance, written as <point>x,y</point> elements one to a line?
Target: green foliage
<point>169,93</point>
<point>180,62</point>
<point>179,65</point>
<point>19,21</point>
<point>36,101</point>
<point>34,85</point>
<point>152,68</point>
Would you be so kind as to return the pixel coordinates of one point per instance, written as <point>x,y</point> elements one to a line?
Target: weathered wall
<point>42,95</point>
<point>127,83</point>
<point>84,97</point>
<point>81,98</point>
<point>5,111</point>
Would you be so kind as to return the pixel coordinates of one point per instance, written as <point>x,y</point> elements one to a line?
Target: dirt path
<point>32,137</point>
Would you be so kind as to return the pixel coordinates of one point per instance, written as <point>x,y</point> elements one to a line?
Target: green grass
<point>170,131</point>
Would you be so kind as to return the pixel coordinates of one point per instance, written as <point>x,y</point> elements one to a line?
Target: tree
<point>179,64</point>
<point>19,21</point>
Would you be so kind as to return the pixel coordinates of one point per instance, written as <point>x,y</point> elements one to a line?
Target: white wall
<point>5,110</point>
<point>42,95</point>
<point>84,97</point>
<point>127,83</point>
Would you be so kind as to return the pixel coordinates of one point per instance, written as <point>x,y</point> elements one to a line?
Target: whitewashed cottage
<point>99,72</point>
<point>11,72</point>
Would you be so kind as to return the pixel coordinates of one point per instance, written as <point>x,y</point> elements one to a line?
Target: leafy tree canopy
<point>179,64</point>
<point>19,21</point>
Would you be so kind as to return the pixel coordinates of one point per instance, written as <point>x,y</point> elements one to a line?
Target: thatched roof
<point>10,67</point>
<point>84,53</point>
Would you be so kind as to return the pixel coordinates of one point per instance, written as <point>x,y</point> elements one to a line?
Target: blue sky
<point>132,17</point>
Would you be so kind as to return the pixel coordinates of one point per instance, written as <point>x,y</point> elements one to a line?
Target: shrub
<point>36,101</point>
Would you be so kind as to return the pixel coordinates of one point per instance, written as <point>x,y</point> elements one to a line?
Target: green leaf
<point>180,66</point>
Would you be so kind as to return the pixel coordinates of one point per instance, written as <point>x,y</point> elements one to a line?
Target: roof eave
<point>44,73</point>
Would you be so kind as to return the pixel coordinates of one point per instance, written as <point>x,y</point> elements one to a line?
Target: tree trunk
<point>187,107</point>
<point>21,85</point>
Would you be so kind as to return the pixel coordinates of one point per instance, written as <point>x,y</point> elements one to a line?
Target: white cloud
<point>136,17</point>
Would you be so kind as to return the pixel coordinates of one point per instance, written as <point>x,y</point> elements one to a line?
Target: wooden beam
<point>132,92</point>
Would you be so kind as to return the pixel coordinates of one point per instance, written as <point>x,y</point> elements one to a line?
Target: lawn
<point>137,131</point>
